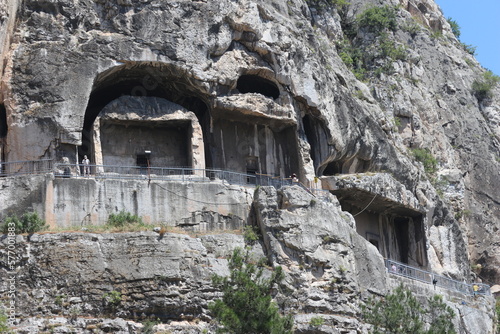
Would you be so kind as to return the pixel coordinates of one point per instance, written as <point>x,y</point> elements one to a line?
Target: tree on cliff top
<point>246,306</point>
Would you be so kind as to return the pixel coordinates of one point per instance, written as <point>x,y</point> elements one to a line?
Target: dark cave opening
<point>256,84</point>
<point>347,166</point>
<point>401,226</point>
<point>3,121</point>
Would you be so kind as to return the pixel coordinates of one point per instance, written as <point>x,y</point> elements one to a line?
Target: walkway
<point>401,269</point>
<point>151,174</point>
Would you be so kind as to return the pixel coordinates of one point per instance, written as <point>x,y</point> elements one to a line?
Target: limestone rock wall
<point>65,60</point>
<point>67,280</point>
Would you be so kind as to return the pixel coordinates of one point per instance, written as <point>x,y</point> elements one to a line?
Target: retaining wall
<point>77,202</point>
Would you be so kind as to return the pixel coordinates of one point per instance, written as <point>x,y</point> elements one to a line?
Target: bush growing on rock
<point>482,88</point>
<point>378,19</point>
<point>316,321</point>
<point>123,218</point>
<point>4,328</point>
<point>112,299</point>
<point>251,234</point>
<point>246,306</point>
<point>28,223</point>
<point>455,27</point>
<point>426,158</point>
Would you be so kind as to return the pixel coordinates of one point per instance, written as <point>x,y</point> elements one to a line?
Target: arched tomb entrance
<point>146,112</point>
<point>142,131</point>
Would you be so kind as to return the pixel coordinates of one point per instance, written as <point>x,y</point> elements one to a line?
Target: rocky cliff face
<point>77,281</point>
<point>275,87</point>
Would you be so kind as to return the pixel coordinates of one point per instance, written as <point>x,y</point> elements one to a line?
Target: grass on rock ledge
<point>30,223</point>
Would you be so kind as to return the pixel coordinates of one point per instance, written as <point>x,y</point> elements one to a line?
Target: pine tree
<point>401,313</point>
<point>246,306</point>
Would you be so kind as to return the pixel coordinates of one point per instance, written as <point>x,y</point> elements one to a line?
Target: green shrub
<point>471,49</point>
<point>123,218</point>
<point>148,327</point>
<point>412,27</point>
<point>378,19</point>
<point>251,234</point>
<point>390,49</point>
<point>400,312</point>
<point>361,59</point>
<point>4,324</point>
<point>455,28</point>
<point>60,299</point>
<point>316,321</point>
<point>113,298</point>
<point>482,88</point>
<point>437,34</point>
<point>28,223</point>
<point>426,158</point>
<point>246,305</point>
<point>397,122</point>
<point>352,57</point>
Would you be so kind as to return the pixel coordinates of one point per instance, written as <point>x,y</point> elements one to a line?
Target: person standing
<point>86,166</point>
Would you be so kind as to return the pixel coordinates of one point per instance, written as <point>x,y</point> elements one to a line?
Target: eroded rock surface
<point>265,89</point>
<point>82,281</point>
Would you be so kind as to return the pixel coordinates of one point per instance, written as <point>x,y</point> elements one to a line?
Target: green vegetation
<point>437,34</point>
<point>377,56</point>
<point>327,3</point>
<point>482,88</point>
<point>60,299</point>
<point>246,305</point>
<point>397,123</point>
<point>439,316</point>
<point>462,213</point>
<point>251,234</point>
<point>353,58</point>
<point>112,299</point>
<point>148,327</point>
<point>401,313</point>
<point>4,325</point>
<point>316,321</point>
<point>497,309</point>
<point>123,218</point>
<point>390,49</point>
<point>412,28</point>
<point>426,158</point>
<point>455,28</point>
<point>28,223</point>
<point>469,48</point>
<point>378,19</point>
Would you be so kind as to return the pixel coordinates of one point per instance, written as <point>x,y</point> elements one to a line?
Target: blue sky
<point>479,21</point>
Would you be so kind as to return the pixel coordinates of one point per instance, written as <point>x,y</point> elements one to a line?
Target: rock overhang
<point>375,192</point>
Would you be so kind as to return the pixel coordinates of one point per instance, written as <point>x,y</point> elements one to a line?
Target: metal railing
<point>401,269</point>
<point>171,174</point>
<point>150,173</point>
<point>26,167</point>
